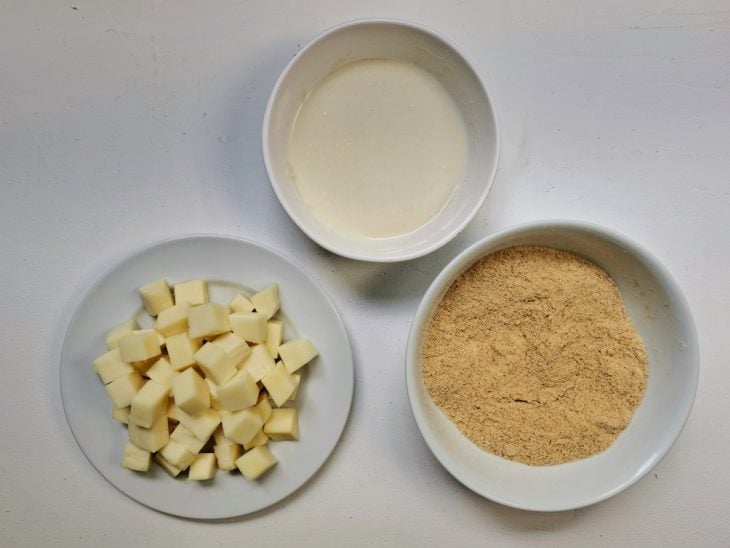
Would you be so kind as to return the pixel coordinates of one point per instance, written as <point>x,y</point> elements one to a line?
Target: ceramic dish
<point>661,314</point>
<point>392,40</point>
<point>229,265</point>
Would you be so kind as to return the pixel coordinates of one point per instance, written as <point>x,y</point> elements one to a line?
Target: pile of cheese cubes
<point>206,387</point>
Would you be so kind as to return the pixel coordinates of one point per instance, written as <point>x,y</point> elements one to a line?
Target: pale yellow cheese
<point>191,392</point>
<point>162,372</point>
<point>160,338</point>
<point>185,437</point>
<point>121,414</point>
<point>181,350</point>
<point>136,458</point>
<point>177,455</point>
<point>139,346</point>
<point>173,320</point>
<point>283,424</point>
<point>234,346</point>
<point>239,392</point>
<point>215,403</point>
<point>266,301</point>
<point>226,455</point>
<point>121,330</point>
<point>250,326</point>
<point>149,404</point>
<point>192,292</point>
<point>274,336</point>
<point>241,426</point>
<point>254,463</point>
<point>296,353</point>
<point>109,366</point>
<point>241,303</point>
<point>122,389</point>
<point>297,381</point>
<point>151,439</point>
<point>202,425</point>
<point>258,363</point>
<point>264,405</point>
<point>166,466</point>
<point>259,439</point>
<point>203,467</point>
<point>208,320</point>
<point>156,296</point>
<point>279,384</point>
<point>215,363</point>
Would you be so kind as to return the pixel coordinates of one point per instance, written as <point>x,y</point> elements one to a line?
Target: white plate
<point>324,401</point>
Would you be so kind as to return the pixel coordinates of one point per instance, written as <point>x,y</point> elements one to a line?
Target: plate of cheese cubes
<point>206,376</point>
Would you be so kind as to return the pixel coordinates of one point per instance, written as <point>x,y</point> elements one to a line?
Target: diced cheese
<point>156,296</point>
<point>266,301</point>
<point>193,292</point>
<point>191,392</point>
<point>296,353</point>
<point>241,426</point>
<point>139,346</point>
<point>202,425</point>
<point>121,414</point>
<point>215,403</point>
<point>240,303</point>
<point>203,467</point>
<point>258,363</point>
<point>177,455</point>
<point>121,330</point>
<point>160,338</point>
<point>109,366</point>
<point>149,404</point>
<point>151,439</point>
<point>279,384</point>
<point>122,390</point>
<point>185,437</point>
<point>239,392</point>
<point>256,462</point>
<point>283,424</point>
<point>250,326</point>
<point>297,381</point>
<point>274,335</point>
<point>264,405</point>
<point>136,458</point>
<point>226,455</point>
<point>216,364</point>
<point>174,471</point>
<point>181,350</point>
<point>162,372</point>
<point>234,346</point>
<point>259,439</point>
<point>208,320</point>
<point>173,320</point>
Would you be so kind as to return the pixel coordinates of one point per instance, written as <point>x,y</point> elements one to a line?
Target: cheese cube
<point>144,366</point>
<point>166,466</point>
<point>283,424</point>
<point>215,403</point>
<point>266,301</point>
<point>191,392</point>
<point>259,439</point>
<point>180,349</point>
<point>216,364</point>
<point>185,437</point>
<point>139,346</point>
<point>250,326</point>
<point>279,384</point>
<point>116,333</point>
<point>256,462</point>
<point>274,335</point>
<point>258,363</point>
<point>203,467</point>
<point>177,455</point>
<point>109,366</point>
<point>149,404</point>
<point>162,372</point>
<point>238,393</point>
<point>160,338</point>
<point>264,406</point>
<point>193,292</point>
<point>220,437</point>
<point>208,320</point>
<point>234,346</point>
<point>122,390</point>
<point>152,438</point>
<point>296,353</point>
<point>240,303</point>
<point>173,320</point>
<point>136,458</point>
<point>121,414</point>
<point>226,455</point>
<point>297,381</point>
<point>156,296</point>
<point>241,426</point>
<point>201,426</point>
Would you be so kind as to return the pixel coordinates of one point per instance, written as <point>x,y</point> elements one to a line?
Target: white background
<point>123,123</point>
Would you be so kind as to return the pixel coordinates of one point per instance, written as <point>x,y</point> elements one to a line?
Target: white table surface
<point>123,123</point>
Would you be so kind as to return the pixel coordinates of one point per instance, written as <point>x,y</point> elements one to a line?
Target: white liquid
<point>378,148</point>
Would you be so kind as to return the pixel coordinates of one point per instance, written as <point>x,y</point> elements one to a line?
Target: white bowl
<point>383,39</point>
<point>661,314</point>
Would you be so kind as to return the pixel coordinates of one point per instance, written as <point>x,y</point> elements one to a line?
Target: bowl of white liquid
<point>380,140</point>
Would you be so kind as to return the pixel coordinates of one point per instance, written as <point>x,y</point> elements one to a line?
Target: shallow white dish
<point>402,41</point>
<point>228,264</point>
<point>661,314</point>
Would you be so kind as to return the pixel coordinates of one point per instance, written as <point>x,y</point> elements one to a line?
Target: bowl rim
<point>467,257</point>
<point>375,256</point>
